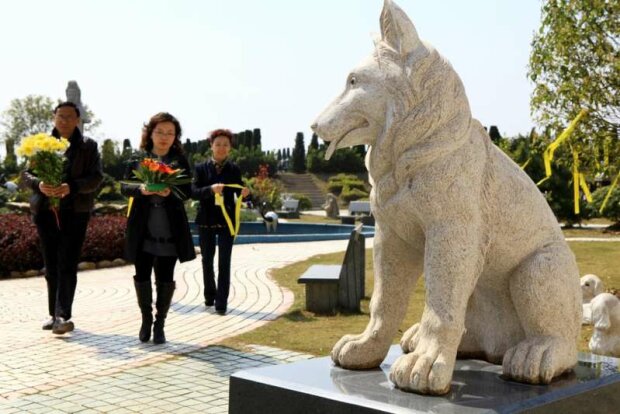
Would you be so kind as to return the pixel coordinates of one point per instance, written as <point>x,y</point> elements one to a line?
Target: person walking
<point>61,236</point>
<point>217,223</point>
<point>157,227</point>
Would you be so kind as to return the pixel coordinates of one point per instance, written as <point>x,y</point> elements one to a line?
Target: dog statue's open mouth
<point>333,146</point>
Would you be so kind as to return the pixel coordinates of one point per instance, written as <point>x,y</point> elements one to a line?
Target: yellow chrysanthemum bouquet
<point>46,157</point>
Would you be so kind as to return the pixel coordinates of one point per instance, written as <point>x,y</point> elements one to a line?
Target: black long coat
<point>206,175</point>
<point>138,217</point>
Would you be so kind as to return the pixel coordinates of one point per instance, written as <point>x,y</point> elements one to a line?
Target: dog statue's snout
<point>314,126</point>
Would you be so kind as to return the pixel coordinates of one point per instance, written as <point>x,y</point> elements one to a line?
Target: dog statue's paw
<point>428,372</point>
<point>409,341</point>
<point>538,360</point>
<point>359,352</point>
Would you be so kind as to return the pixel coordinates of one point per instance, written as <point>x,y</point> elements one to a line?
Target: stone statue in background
<point>591,286</point>
<point>501,282</point>
<point>331,206</point>
<point>606,320</point>
<point>74,94</point>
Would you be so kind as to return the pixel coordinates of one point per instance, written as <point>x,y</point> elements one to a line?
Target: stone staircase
<point>303,184</point>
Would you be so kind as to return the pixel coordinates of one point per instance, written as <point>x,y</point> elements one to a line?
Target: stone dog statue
<point>606,320</point>
<point>501,282</point>
<point>591,286</point>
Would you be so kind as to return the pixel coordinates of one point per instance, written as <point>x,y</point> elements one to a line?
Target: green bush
<point>248,215</point>
<point>304,201</point>
<point>337,183</point>
<point>342,177</point>
<point>351,194</point>
<point>612,208</point>
<point>355,184</point>
<point>335,187</point>
<point>4,196</point>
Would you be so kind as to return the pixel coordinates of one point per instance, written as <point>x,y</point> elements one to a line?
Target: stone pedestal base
<point>316,386</point>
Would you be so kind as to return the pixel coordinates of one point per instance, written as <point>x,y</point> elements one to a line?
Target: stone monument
<point>501,282</point>
<point>331,206</point>
<point>74,94</point>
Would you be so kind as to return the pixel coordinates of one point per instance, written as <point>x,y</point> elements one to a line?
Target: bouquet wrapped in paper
<point>45,154</point>
<point>157,176</point>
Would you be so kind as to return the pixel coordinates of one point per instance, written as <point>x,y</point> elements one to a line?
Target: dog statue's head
<point>388,87</point>
<point>591,286</point>
<point>606,312</point>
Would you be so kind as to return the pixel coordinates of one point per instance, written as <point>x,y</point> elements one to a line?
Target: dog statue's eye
<point>352,81</point>
<point>588,284</point>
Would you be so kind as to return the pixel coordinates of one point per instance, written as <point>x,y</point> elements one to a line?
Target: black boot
<point>164,297</point>
<point>144,292</point>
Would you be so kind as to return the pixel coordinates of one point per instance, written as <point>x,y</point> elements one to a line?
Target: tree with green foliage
<point>314,142</point>
<point>494,134</point>
<point>299,154</point>
<point>612,207</point>
<point>127,146</point>
<point>27,116</point>
<point>574,66</point>
<point>257,137</point>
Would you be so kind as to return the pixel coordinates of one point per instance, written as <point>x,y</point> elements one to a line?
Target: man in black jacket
<point>62,233</point>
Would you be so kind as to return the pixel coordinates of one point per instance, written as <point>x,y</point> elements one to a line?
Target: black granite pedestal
<point>317,386</point>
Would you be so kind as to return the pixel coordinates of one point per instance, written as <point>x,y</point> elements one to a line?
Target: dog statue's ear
<point>601,318</point>
<point>397,30</point>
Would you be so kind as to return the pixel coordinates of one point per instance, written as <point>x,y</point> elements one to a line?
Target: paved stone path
<point>102,367</point>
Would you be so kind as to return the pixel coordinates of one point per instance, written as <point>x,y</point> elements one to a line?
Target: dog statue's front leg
<point>453,261</point>
<point>397,267</point>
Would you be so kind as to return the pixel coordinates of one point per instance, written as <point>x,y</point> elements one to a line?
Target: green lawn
<point>306,332</point>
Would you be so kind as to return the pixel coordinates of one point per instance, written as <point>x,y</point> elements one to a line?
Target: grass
<point>303,331</point>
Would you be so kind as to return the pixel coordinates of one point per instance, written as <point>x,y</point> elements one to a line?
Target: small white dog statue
<point>591,286</point>
<point>606,320</point>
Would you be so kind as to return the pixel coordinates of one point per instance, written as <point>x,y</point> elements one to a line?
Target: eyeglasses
<point>65,117</point>
<point>163,134</point>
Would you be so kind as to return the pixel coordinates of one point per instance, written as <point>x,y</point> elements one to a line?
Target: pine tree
<point>257,137</point>
<point>299,154</point>
<point>314,142</point>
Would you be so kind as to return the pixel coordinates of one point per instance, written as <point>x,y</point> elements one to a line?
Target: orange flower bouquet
<point>157,176</point>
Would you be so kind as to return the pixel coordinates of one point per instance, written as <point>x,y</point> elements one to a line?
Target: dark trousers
<point>208,237</point>
<point>61,250</point>
<point>163,266</point>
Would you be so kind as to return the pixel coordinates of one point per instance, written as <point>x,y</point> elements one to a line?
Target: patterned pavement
<point>103,367</point>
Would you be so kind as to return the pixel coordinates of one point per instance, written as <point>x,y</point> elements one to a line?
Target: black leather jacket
<point>138,218</point>
<point>83,173</point>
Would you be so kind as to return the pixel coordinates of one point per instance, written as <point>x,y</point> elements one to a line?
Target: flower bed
<point>19,242</point>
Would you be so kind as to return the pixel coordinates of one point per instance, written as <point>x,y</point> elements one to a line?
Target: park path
<point>102,367</point>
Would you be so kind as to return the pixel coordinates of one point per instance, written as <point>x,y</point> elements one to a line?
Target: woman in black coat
<point>210,179</point>
<point>157,228</point>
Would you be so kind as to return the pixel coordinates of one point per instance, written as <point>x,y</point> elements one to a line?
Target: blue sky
<point>243,64</point>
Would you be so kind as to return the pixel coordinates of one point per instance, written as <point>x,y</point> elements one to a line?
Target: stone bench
<point>290,209</point>
<point>332,287</point>
<point>359,210</point>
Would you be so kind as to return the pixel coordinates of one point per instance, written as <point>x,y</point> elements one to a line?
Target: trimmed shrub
<point>355,184</point>
<point>19,241</point>
<point>304,201</point>
<point>351,194</point>
<point>105,238</point>
<point>19,244</point>
<point>335,187</point>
